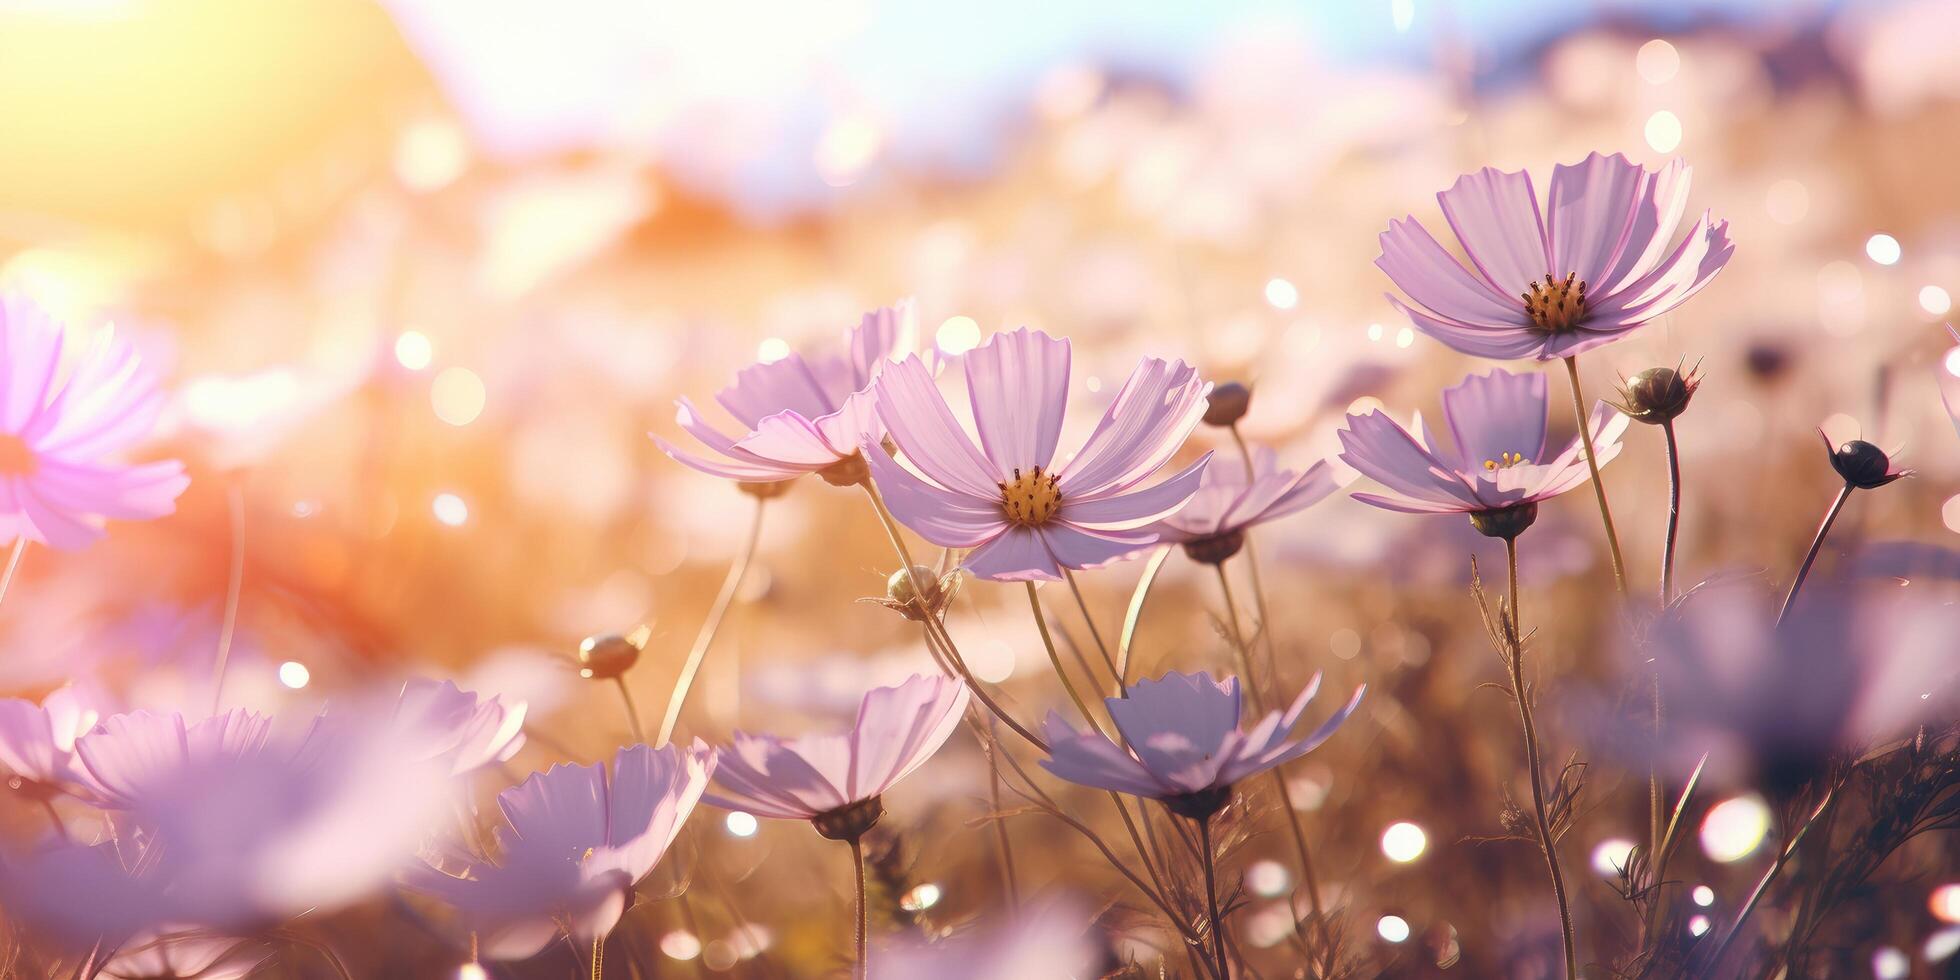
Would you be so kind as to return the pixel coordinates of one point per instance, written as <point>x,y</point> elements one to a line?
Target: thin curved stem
<point>1133,616</point>
<point>1211,897</point>
<point>1252,564</point>
<point>862,967</point>
<point>1673,514</point>
<point>13,565</point>
<point>1115,672</point>
<point>1762,885</point>
<point>1543,822</point>
<point>1308,879</point>
<point>234,590</point>
<point>1048,642</point>
<point>1592,467</point>
<point>632,714</point>
<point>890,524</point>
<point>1010,881</point>
<point>936,632</point>
<point>710,629</point>
<point>599,957</point>
<point>1810,557</point>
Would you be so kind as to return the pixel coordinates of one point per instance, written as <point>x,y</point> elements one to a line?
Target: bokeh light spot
<point>1404,842</point>
<point>1663,131</point>
<point>1282,294</point>
<point>680,945</point>
<point>740,823</point>
<point>457,395</point>
<point>1883,249</point>
<point>1267,878</point>
<point>1611,855</point>
<point>771,350</point>
<point>1734,828</point>
<point>414,350</point>
<point>958,335</point>
<point>1393,928</point>
<point>1935,300</point>
<point>1698,925</point>
<point>1945,902</point>
<point>1891,963</point>
<point>294,674</point>
<point>1657,62</point>
<point>921,898</point>
<point>1704,896</point>
<point>450,509</point>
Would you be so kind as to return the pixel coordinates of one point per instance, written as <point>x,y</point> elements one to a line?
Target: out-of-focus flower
<point>1227,404</point>
<point>130,757</point>
<point>37,741</point>
<point>802,414</point>
<point>1026,518</point>
<point>1862,464</point>
<point>578,840</point>
<point>223,825</point>
<point>835,781</point>
<point>1184,744</point>
<point>170,956</point>
<point>1500,468</point>
<point>1050,943</point>
<point>1843,671</point>
<point>1212,524</point>
<point>1591,267</point>
<point>61,436</point>
<point>441,720</point>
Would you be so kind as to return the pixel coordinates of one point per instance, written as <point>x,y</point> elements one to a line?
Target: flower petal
<point>1143,428</point>
<point>1018,383</point>
<point>1417,264</point>
<point>1385,452</point>
<point>1591,214</point>
<point>1017,554</point>
<point>1495,216</point>
<point>1126,511</point>
<point>944,517</point>
<point>1497,413</point>
<point>926,432</point>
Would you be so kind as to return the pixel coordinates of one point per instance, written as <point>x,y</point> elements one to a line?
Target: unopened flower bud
<point>1228,404</point>
<point>1658,395</point>
<point>1505,522</point>
<point>917,592</point>
<point>606,657</point>
<point>1863,465</point>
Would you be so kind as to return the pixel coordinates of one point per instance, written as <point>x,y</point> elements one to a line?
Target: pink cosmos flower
<point>1026,517</point>
<point>578,840</point>
<point>451,723</point>
<point>228,825</point>
<point>1212,524</point>
<point>1184,744</point>
<point>1500,463</point>
<point>835,780</point>
<point>801,414</point>
<point>60,436</point>
<point>1049,942</point>
<point>173,955</point>
<point>1590,267</point>
<point>37,741</point>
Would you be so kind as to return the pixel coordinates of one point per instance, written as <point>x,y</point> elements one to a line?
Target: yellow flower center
<point>1030,499</point>
<point>1556,305</point>
<point>15,458</point>
<point>1504,462</point>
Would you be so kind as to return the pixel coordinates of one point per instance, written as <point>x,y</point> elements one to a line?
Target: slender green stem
<point>13,565</point>
<point>234,590</point>
<point>1307,877</point>
<point>1810,557</point>
<point>1673,514</point>
<point>710,628</point>
<point>1134,614</point>
<point>1762,885</point>
<point>1048,642</point>
<point>1009,879</point>
<point>862,968</point>
<point>1539,814</point>
<point>1211,897</point>
<point>1081,604</point>
<point>1592,467</point>
<point>632,714</point>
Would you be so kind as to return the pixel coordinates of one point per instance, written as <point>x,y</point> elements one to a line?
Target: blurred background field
<point>423,276</point>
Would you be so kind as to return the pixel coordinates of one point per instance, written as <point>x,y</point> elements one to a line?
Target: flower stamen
<point>1504,461</point>
<point>1555,305</point>
<point>1030,499</point>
